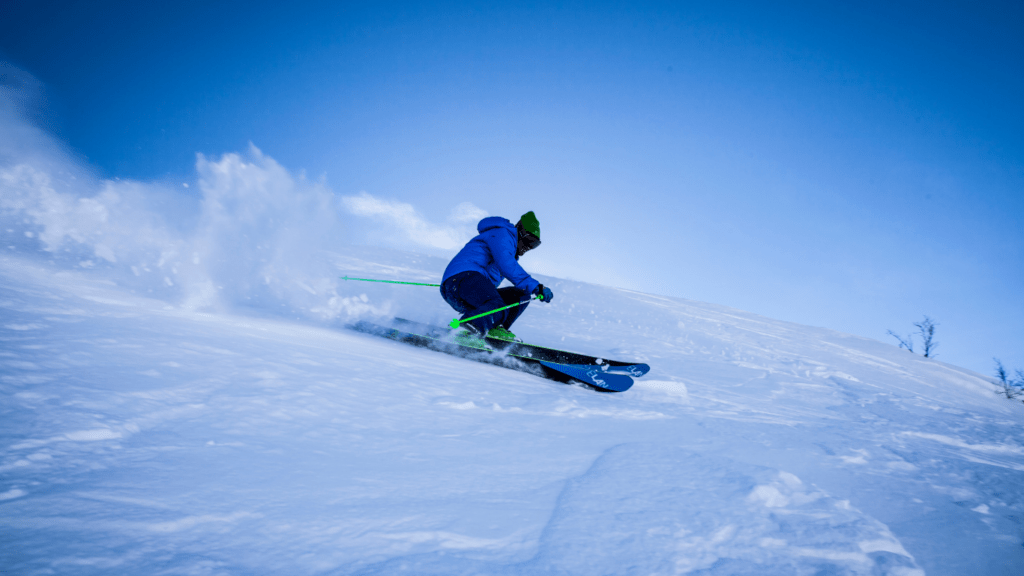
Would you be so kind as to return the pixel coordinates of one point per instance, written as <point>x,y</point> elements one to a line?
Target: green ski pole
<point>456,322</point>
<point>388,281</point>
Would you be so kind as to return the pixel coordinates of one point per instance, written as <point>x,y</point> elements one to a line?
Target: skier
<point>470,282</point>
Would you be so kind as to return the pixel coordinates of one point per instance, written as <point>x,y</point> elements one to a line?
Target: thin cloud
<point>410,225</point>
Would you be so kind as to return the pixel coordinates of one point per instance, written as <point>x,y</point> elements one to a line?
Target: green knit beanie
<point>530,223</point>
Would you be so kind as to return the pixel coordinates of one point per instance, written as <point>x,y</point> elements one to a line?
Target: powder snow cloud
<point>256,234</point>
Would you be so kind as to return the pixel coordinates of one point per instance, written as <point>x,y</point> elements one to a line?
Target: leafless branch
<point>908,343</point>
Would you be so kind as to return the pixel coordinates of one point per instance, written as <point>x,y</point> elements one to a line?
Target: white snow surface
<point>142,436</point>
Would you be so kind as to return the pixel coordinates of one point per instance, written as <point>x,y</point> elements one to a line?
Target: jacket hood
<point>492,222</point>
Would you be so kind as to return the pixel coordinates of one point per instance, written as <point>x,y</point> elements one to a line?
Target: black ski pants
<point>471,293</point>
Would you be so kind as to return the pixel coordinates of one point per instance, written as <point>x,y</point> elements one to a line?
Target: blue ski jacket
<point>493,254</point>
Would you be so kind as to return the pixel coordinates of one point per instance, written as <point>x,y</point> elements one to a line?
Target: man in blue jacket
<point>470,283</point>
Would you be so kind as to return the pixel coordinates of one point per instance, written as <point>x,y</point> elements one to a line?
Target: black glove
<point>543,294</point>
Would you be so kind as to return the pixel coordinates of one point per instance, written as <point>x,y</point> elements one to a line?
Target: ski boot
<point>501,333</point>
<point>468,336</point>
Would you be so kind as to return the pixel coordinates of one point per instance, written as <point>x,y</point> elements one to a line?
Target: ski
<point>439,339</point>
<point>541,353</point>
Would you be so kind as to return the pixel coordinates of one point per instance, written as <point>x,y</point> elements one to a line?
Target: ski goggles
<point>528,241</point>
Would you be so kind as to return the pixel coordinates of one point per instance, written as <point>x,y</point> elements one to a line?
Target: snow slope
<point>140,436</point>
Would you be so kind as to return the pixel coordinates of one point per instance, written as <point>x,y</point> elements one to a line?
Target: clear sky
<point>849,165</point>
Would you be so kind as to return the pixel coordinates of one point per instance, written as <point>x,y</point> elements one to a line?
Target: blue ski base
<point>593,375</point>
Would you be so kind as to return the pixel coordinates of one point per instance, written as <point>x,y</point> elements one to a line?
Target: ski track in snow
<point>143,438</point>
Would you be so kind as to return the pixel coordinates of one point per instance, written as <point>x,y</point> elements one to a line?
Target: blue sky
<point>852,166</point>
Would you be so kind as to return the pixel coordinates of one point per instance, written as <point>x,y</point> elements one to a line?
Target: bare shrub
<point>926,329</point>
<point>1011,388</point>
